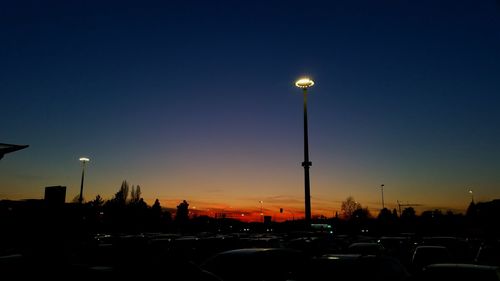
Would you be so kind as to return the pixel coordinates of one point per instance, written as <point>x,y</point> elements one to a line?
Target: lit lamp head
<point>84,160</point>
<point>304,83</point>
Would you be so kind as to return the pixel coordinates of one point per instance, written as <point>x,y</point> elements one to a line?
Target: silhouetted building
<point>267,219</point>
<point>55,195</point>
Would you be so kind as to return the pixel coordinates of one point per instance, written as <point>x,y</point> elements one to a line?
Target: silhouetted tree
<point>135,194</point>
<point>437,213</point>
<point>159,218</point>
<point>408,219</point>
<point>384,215</point>
<point>139,204</point>
<point>116,212</point>
<point>182,214</point>
<point>122,195</point>
<point>156,208</point>
<point>137,215</point>
<point>361,214</point>
<point>349,206</point>
<point>431,222</point>
<point>386,221</point>
<point>166,217</point>
<point>395,213</point>
<point>408,214</point>
<point>97,202</point>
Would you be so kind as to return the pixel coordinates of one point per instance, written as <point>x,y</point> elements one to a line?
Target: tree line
<point>480,220</point>
<point>127,211</point>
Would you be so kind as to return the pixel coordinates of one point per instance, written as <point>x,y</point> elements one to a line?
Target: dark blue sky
<point>195,99</point>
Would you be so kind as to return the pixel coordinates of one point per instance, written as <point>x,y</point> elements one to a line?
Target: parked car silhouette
<point>256,264</point>
<point>459,249</point>
<point>366,248</point>
<point>459,272</point>
<point>356,267</point>
<point>425,255</point>
<point>488,254</point>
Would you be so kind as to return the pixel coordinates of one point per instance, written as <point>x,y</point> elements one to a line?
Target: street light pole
<point>262,209</point>
<point>304,84</point>
<point>382,189</point>
<point>83,160</point>
<point>471,195</point>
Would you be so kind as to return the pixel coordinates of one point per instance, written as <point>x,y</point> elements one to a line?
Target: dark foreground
<point>257,256</point>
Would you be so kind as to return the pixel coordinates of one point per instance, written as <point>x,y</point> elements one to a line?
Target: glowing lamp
<point>84,159</point>
<point>304,83</point>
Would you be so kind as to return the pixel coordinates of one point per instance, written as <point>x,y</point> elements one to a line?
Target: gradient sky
<point>195,100</point>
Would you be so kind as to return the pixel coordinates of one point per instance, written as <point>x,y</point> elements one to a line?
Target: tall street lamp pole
<point>471,195</point>
<point>84,160</point>
<point>262,209</point>
<point>382,189</point>
<point>304,84</point>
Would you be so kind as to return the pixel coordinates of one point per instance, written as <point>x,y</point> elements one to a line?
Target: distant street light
<point>471,195</point>
<point>84,160</point>
<point>304,84</point>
